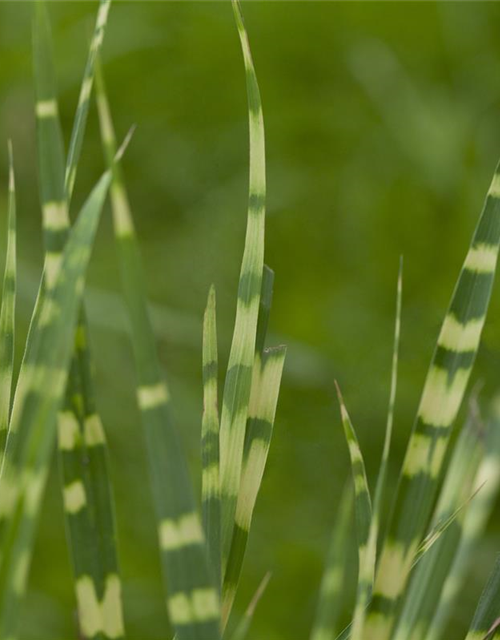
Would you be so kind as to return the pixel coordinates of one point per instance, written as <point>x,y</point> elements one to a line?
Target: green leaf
<point>50,148</point>
<point>363,511</point>
<point>7,312</point>
<point>332,587</point>
<point>442,396</point>
<point>210,490</point>
<point>78,133</point>
<point>486,619</point>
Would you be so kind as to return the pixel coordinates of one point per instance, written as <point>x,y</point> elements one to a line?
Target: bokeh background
<point>383,130</point>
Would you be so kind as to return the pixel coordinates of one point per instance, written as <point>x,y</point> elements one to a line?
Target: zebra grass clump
<point>408,580</point>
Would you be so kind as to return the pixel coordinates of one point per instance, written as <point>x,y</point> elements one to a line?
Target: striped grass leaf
<point>89,514</point>
<point>442,396</point>
<point>438,549</point>
<point>50,147</point>
<point>7,312</point>
<point>241,631</point>
<point>487,485</point>
<point>332,587</point>
<point>262,408</point>
<point>77,135</point>
<point>81,439</point>
<point>238,381</point>
<point>210,490</point>
<point>373,533</point>
<point>261,413</point>
<point>363,511</point>
<point>25,467</point>
<point>193,598</point>
<point>99,582</point>
<point>486,621</point>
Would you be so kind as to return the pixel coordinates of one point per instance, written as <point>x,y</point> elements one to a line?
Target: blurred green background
<point>383,130</point>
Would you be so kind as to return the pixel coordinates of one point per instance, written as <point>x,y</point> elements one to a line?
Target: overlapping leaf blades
<point>87,493</point>
<point>447,542</point>
<point>486,486</point>
<point>32,433</point>
<point>486,620</point>
<point>429,574</point>
<point>232,472</point>
<point>238,383</point>
<point>193,601</point>
<point>363,511</point>
<point>442,396</point>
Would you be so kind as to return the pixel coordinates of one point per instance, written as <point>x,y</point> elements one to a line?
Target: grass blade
<point>241,359</point>
<point>193,600</point>
<point>33,420</point>
<point>90,522</point>
<point>441,399</point>
<point>363,511</point>
<point>210,491</point>
<point>332,584</point>
<point>473,526</point>
<point>77,135</point>
<point>487,619</point>
<point>7,312</point>
<point>262,408</point>
<point>261,414</point>
<point>243,628</point>
<point>50,147</point>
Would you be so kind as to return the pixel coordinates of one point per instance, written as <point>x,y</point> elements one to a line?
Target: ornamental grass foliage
<point>411,568</point>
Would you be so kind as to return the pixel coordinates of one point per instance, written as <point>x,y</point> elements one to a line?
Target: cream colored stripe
<point>68,430</point>
<point>94,432</point>
<point>459,337</point>
<point>46,108</point>
<point>201,605</point>
<point>55,216</point>
<point>122,216</point>
<point>441,400</point>
<point>175,534</point>
<point>74,497</point>
<point>419,458</point>
<point>152,396</point>
<point>100,617</point>
<point>482,258</point>
<point>494,189</point>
